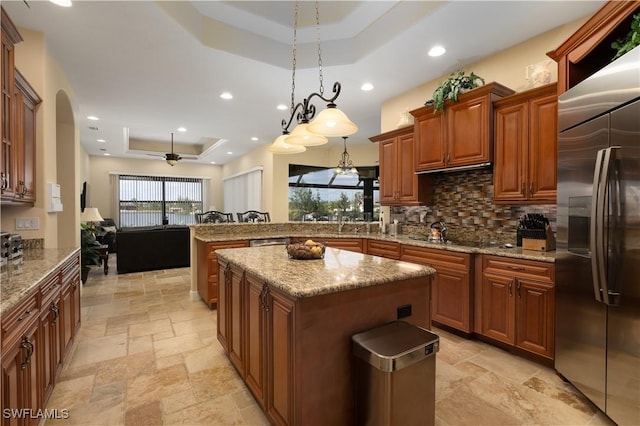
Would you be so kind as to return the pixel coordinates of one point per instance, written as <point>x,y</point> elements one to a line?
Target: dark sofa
<point>148,249</point>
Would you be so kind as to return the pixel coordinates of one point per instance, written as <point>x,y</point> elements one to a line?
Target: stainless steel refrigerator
<point>598,239</point>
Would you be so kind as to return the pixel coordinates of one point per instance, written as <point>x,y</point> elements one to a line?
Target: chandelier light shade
<point>279,146</point>
<point>91,214</point>
<point>302,136</point>
<point>345,165</point>
<point>332,122</point>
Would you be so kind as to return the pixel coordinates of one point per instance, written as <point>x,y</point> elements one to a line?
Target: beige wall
<point>506,67</point>
<point>47,78</point>
<point>100,167</point>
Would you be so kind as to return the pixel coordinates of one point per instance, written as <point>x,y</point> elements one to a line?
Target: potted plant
<point>624,45</point>
<point>88,253</point>
<point>456,84</point>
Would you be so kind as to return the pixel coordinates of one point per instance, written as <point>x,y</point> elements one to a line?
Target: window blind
<point>243,192</point>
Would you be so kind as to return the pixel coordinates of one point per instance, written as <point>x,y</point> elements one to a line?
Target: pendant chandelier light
<point>310,131</point>
<point>345,165</point>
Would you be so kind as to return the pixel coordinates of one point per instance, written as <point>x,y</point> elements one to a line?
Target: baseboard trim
<point>193,295</point>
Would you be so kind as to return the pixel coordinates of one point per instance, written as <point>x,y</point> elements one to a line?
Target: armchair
<point>108,227</point>
<point>254,216</point>
<point>214,216</point>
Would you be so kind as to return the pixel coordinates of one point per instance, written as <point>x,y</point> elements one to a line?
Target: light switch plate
<point>27,223</point>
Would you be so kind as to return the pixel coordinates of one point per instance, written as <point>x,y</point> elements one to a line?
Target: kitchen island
<point>286,324</point>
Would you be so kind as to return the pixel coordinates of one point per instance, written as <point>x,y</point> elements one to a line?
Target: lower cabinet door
<point>236,320</point>
<point>535,317</point>
<point>450,298</point>
<point>223,302</point>
<point>497,308</point>
<point>255,344</point>
<point>280,359</point>
<point>50,329</point>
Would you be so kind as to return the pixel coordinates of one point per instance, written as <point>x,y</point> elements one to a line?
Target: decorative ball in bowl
<point>307,250</point>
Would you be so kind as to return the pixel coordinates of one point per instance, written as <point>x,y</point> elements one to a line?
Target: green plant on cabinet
<point>453,86</point>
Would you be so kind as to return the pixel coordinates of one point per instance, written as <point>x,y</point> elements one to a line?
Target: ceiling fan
<point>171,157</point>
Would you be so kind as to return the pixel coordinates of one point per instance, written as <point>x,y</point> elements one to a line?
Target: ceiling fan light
<point>302,136</point>
<point>332,122</point>
<point>279,146</point>
<point>172,159</point>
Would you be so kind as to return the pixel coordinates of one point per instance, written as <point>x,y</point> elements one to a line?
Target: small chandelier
<point>311,131</point>
<point>346,166</point>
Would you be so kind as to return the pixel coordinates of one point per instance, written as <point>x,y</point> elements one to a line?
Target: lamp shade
<point>302,136</point>
<point>91,214</point>
<point>332,122</point>
<point>279,146</point>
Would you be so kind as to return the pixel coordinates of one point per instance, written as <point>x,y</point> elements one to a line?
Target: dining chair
<point>254,216</point>
<point>214,216</point>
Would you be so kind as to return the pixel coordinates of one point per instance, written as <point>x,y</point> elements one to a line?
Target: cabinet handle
<point>25,315</point>
<point>56,313</point>
<point>516,268</point>
<point>519,293</point>
<point>510,288</point>
<point>28,345</point>
<point>3,177</point>
<point>448,158</point>
<point>263,298</point>
<point>227,274</point>
<point>531,190</point>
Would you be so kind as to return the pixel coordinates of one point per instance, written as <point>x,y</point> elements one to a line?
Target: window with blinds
<point>159,200</point>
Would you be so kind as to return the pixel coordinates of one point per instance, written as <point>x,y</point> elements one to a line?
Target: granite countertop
<point>340,270</point>
<point>515,252</point>
<point>20,278</point>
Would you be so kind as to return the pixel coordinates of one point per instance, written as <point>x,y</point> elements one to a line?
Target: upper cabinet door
<point>407,179</point>
<point>429,144</point>
<point>388,172</point>
<point>543,148</point>
<point>509,172</point>
<point>468,137</point>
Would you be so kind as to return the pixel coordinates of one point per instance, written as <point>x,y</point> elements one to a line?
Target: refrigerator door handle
<point>614,243</point>
<point>596,236</point>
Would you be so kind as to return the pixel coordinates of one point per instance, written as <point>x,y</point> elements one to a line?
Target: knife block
<point>546,244</point>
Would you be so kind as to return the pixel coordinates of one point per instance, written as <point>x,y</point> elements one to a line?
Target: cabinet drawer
<point>518,268</point>
<point>227,244</point>
<point>16,321</point>
<point>386,249</point>
<point>49,286</point>
<point>351,244</point>
<point>436,257</point>
<point>70,268</point>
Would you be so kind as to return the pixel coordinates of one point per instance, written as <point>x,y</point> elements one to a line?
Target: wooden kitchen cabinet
<point>399,184</point>
<point>589,49</point>
<point>526,147</point>
<point>235,314</point>
<point>388,249</point>
<point>351,244</point>
<point>461,136</point>
<point>517,302</point>
<point>21,353</point>
<point>8,171</point>
<point>26,103</point>
<point>70,310</point>
<point>451,286</point>
<point>208,270</point>
<point>256,338</point>
<point>50,330</point>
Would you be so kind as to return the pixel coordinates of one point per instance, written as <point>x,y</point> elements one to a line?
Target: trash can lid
<point>395,345</point>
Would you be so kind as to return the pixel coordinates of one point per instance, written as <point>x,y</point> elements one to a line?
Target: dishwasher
<point>269,242</point>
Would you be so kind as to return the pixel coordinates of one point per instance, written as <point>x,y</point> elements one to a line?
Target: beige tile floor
<point>147,355</point>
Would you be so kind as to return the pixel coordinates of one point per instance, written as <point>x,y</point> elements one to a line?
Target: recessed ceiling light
<point>282,107</point>
<point>182,129</point>
<point>107,154</point>
<point>226,95</point>
<point>366,87</point>
<point>100,140</point>
<point>254,139</point>
<point>92,117</point>
<point>437,51</point>
<point>213,162</point>
<point>229,152</point>
<point>63,3</point>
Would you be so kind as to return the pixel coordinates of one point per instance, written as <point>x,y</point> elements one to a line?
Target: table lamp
<point>91,216</point>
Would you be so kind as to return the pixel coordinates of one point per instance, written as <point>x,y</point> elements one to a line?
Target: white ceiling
<point>146,68</point>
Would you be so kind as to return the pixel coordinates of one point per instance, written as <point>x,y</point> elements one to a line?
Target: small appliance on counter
<point>437,232</point>
<point>11,247</point>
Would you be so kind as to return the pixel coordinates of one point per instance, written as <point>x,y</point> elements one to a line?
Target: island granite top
<point>339,270</point>
<point>20,278</point>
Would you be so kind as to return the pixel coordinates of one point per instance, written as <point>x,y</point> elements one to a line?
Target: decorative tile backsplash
<point>464,202</point>
<point>33,243</point>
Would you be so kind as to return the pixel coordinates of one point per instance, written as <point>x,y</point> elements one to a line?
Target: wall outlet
<point>27,223</point>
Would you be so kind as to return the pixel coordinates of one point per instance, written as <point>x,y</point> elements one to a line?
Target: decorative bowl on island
<point>307,250</point>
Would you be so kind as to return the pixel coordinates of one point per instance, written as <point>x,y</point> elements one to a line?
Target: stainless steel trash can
<point>395,375</point>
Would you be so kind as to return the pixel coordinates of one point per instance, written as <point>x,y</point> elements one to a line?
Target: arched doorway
<point>66,173</point>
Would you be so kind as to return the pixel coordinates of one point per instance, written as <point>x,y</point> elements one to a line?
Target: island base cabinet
<point>280,358</point>
<point>294,354</point>
<point>208,268</point>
